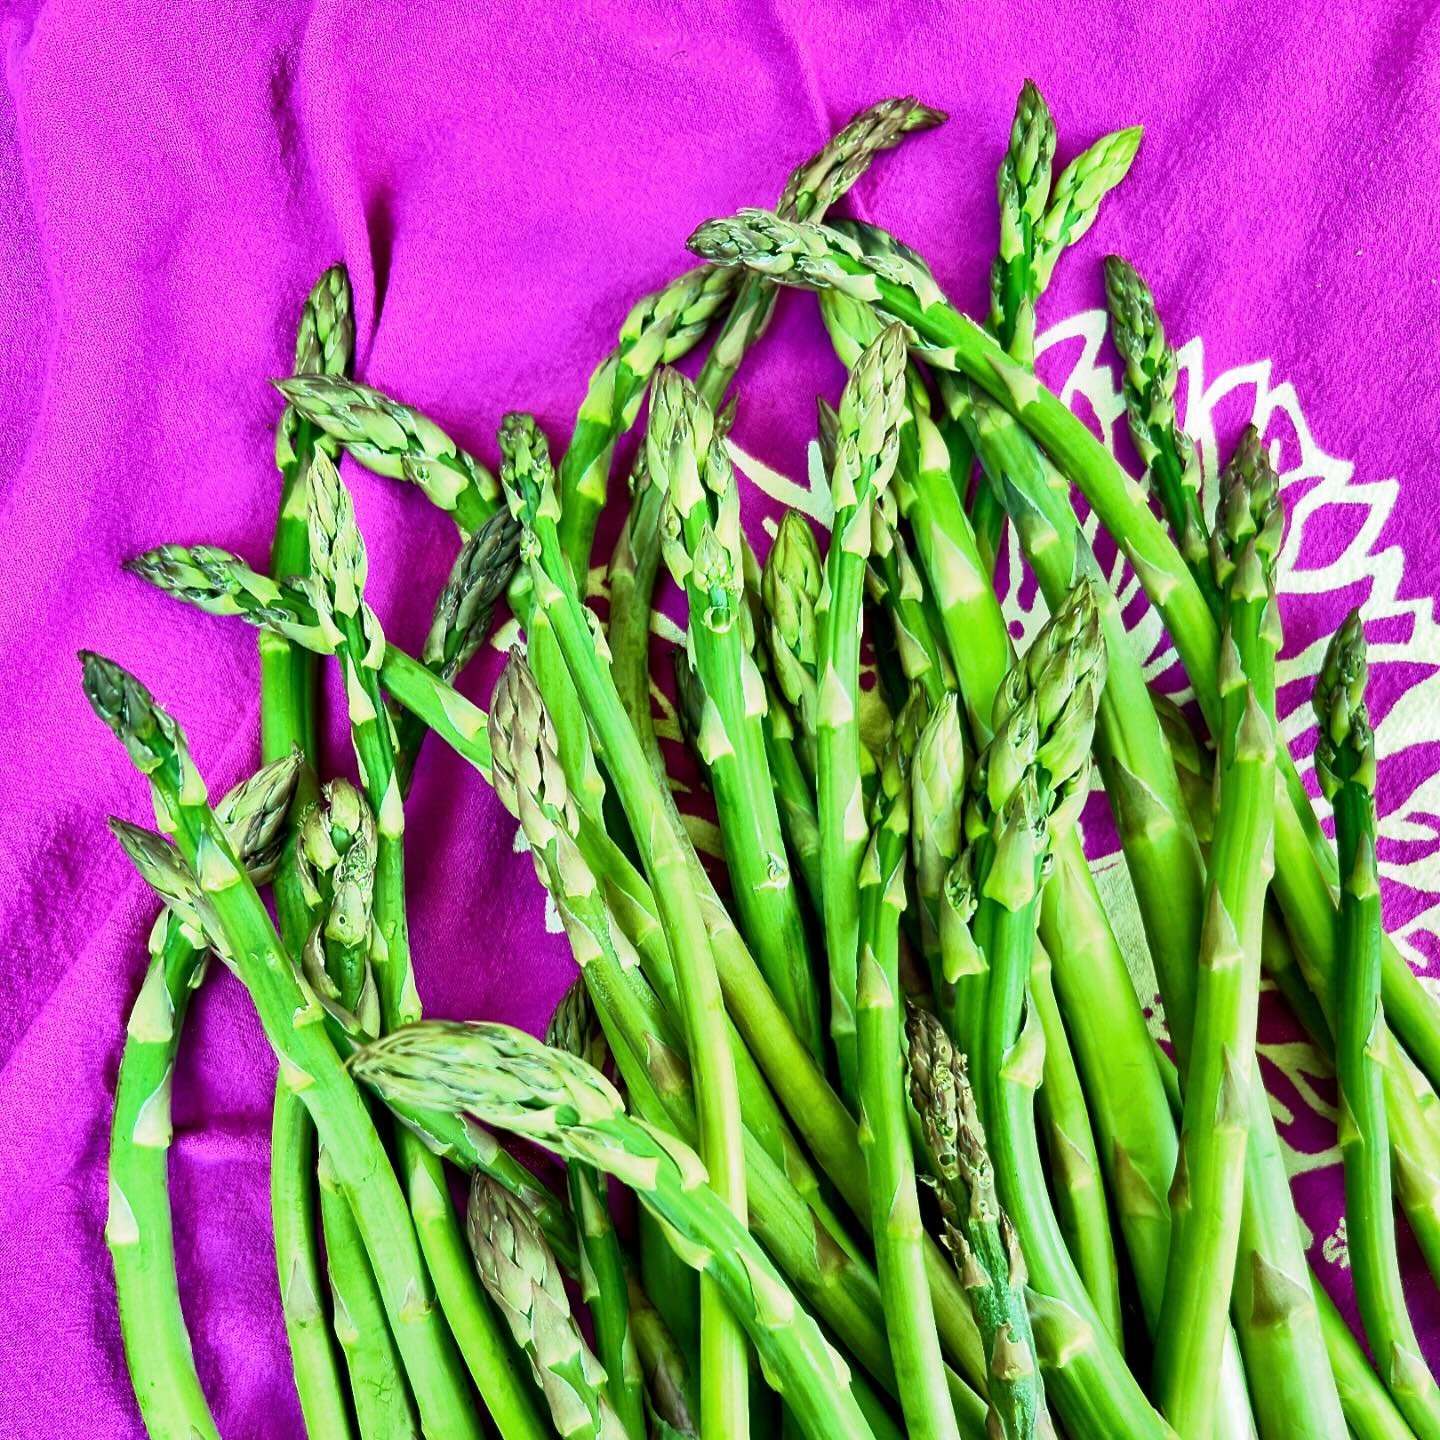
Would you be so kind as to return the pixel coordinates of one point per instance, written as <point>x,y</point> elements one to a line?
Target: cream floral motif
<point>1336,1246</point>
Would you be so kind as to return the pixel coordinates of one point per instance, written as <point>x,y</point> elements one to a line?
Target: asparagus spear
<point>1345,763</point>
<point>667,1376</point>
<point>308,1059</point>
<point>1074,1161</point>
<point>1031,239</point>
<point>811,189</point>
<point>1169,455</point>
<point>865,459</point>
<point>530,489</point>
<point>397,441</point>
<point>937,789</point>
<point>138,1229</point>
<point>511,1081</point>
<point>1036,225</point>
<point>574,1027</point>
<point>1071,911</point>
<point>1305,866</point>
<point>1209,1187</point>
<point>884,1135</point>
<point>702,525</point>
<point>1028,786</point>
<point>524,1281</point>
<point>977,1231</point>
<point>790,587</point>
<point>324,344</point>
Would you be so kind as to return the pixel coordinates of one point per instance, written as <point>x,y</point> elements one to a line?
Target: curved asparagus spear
<point>530,488</point>
<point>809,192</point>
<point>884,1133</point>
<point>1345,763</point>
<point>1207,1195</point>
<point>513,1082</point>
<point>308,1059</point>
<point>397,441</point>
<point>138,1229</point>
<point>524,1281</point>
<point>978,1233</point>
<point>864,462</point>
<point>461,621</point>
<point>574,1027</point>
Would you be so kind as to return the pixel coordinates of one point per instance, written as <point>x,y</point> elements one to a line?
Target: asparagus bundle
<point>829,1096</point>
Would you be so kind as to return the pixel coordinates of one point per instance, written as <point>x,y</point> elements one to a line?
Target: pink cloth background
<point>502,182</point>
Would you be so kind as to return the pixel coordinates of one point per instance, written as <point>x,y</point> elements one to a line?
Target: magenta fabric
<point>502,182</point>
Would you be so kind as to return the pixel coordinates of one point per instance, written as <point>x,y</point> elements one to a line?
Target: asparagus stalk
<point>138,1229</point>
<point>1074,1162</point>
<point>702,521</point>
<point>220,583</point>
<point>324,344</point>
<point>790,586</point>
<point>1208,1192</point>
<point>308,1059</point>
<point>884,1132</point>
<point>574,1027</point>
<point>809,192</point>
<point>1168,453</point>
<point>667,1376</point>
<point>1029,785</point>
<point>397,441</point>
<point>338,561</point>
<point>524,1281</point>
<point>978,1233</point>
<point>511,1081</point>
<point>530,488</point>
<point>1036,225</point>
<point>865,459</point>
<point>895,585</point>
<point>811,189</point>
<point>1345,763</point>
<point>937,791</point>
